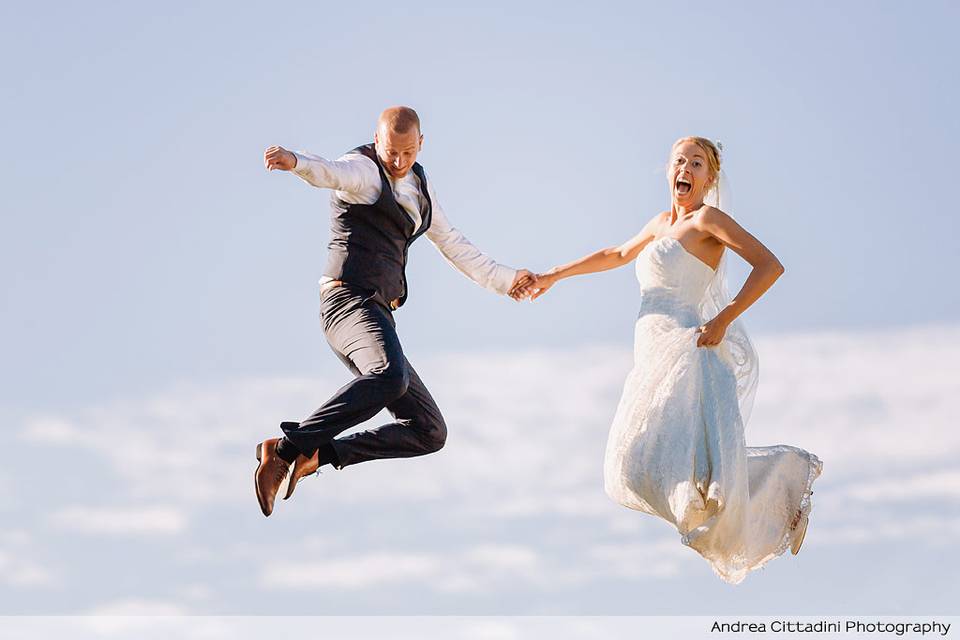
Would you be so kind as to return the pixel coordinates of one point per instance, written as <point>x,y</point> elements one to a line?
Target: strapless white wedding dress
<point>677,449</point>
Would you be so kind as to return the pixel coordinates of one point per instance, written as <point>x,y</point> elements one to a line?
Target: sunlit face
<point>688,173</point>
<point>397,151</point>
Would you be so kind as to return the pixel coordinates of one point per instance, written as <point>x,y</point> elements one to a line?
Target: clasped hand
<point>530,285</point>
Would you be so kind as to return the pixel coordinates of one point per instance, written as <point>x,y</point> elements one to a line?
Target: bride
<point>676,447</point>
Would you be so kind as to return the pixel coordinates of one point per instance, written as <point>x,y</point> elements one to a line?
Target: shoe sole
<point>294,478</point>
<point>256,485</point>
<point>798,541</point>
<point>292,483</point>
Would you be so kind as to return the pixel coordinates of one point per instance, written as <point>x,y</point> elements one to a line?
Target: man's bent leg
<point>419,429</point>
<point>362,333</point>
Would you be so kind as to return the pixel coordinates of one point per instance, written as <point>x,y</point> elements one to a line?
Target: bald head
<point>398,140</point>
<point>399,120</point>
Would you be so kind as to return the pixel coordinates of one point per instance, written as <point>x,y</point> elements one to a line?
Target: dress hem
<point>806,505</point>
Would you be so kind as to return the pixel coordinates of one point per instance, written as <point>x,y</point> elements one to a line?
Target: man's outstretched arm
<point>466,258</point>
<point>352,173</point>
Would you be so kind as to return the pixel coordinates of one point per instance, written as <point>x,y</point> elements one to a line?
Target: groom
<point>382,202</point>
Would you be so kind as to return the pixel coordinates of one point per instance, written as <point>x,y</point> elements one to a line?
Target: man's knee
<point>436,434</point>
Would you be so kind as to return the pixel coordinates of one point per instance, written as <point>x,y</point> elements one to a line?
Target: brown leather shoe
<point>269,474</point>
<point>302,466</point>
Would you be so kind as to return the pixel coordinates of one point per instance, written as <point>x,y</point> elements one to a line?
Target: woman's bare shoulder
<point>709,216</point>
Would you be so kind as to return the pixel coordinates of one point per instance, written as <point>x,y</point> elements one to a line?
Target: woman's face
<point>688,173</point>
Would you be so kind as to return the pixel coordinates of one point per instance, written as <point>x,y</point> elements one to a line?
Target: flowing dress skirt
<point>677,450</point>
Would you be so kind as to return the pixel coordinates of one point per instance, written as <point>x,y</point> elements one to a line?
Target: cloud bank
<point>509,518</point>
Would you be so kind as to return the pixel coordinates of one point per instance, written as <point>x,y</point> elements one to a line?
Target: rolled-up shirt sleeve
<point>462,254</point>
<point>352,173</point>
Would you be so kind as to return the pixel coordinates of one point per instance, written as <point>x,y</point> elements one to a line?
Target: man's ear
<point>376,137</point>
<point>421,142</point>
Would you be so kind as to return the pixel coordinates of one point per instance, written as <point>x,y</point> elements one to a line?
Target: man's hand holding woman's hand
<point>530,285</point>
<point>521,284</point>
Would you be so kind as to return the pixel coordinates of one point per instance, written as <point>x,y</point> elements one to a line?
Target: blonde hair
<point>711,149</point>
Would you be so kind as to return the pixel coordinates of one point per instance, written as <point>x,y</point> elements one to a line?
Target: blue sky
<point>154,268</point>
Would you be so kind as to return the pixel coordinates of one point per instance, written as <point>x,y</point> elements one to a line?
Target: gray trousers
<point>361,331</point>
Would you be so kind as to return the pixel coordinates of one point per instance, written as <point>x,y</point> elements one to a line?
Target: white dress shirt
<point>356,180</point>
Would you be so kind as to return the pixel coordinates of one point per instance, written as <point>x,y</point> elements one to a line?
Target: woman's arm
<point>766,270</point>
<point>602,260</point>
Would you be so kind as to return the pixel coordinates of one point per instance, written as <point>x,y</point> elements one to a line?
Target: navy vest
<point>369,242</point>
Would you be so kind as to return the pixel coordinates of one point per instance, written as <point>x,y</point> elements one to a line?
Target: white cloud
<point>861,399</point>
<point>660,557</point>
<point>522,467</point>
<point>17,571</point>
<point>21,562</point>
<point>470,570</point>
<point>55,431</point>
<point>534,420</point>
<point>930,529</point>
<point>353,572</point>
<point>185,444</point>
<point>28,574</point>
<point>196,592</point>
<point>925,486</point>
<point>121,521</point>
<point>138,607</point>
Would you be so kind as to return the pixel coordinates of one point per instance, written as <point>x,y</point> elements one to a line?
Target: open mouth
<point>683,187</point>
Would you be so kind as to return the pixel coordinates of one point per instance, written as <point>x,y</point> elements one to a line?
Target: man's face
<point>397,151</point>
